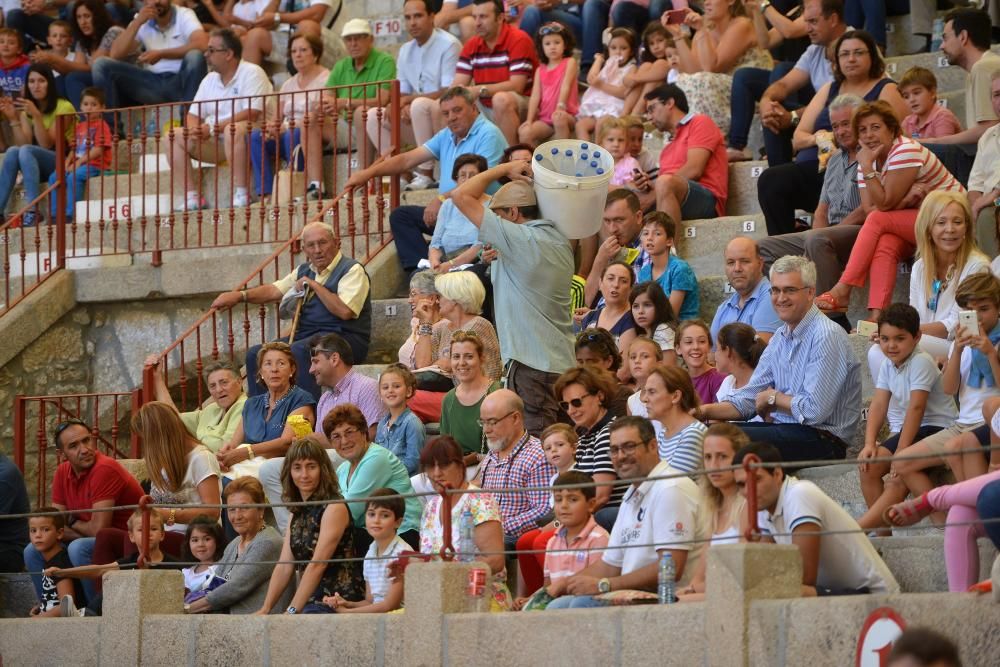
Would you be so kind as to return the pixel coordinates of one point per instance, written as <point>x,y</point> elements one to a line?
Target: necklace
<point>278,400</point>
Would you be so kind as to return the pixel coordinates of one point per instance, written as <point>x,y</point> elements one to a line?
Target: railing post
<point>394,113</point>
<point>447,547</point>
<point>60,191</point>
<point>143,561</point>
<point>19,418</point>
<point>148,384</point>
<point>749,462</point>
<point>137,402</point>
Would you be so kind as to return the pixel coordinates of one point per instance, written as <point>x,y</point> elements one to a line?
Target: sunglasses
<point>62,426</point>
<point>576,402</point>
<point>550,29</point>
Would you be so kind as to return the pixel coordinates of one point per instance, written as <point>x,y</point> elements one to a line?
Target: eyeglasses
<point>550,29</point>
<point>857,53</point>
<point>575,402</point>
<point>787,291</point>
<point>625,449</point>
<point>344,435</point>
<point>491,423</point>
<point>210,50</point>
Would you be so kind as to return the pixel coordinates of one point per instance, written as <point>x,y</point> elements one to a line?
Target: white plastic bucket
<point>571,184</point>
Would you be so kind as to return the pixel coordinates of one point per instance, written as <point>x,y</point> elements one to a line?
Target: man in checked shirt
<point>515,460</point>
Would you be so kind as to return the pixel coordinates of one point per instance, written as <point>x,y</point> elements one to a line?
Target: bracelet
<point>442,198</point>
<point>249,448</point>
<point>425,330</point>
<point>243,292</point>
<point>277,19</point>
<point>171,517</point>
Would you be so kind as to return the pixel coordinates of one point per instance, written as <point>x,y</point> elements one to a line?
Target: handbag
<point>289,182</point>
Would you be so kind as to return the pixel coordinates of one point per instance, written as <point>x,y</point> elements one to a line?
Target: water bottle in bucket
<point>571,184</point>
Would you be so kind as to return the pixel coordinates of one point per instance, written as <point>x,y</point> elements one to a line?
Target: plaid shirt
<point>525,466</point>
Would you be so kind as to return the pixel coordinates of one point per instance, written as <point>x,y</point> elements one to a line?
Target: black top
<point>13,500</point>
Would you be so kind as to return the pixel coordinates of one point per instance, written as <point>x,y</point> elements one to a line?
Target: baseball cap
<point>515,193</point>
<point>356,27</point>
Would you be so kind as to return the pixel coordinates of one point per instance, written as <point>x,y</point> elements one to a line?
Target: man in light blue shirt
<point>807,386</point>
<point>531,282</point>
<point>466,131</point>
<point>751,299</point>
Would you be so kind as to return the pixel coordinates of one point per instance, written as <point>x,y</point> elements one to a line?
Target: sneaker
<point>30,219</point>
<point>194,203</point>
<point>67,608</point>
<point>420,182</point>
<point>241,199</point>
<point>314,193</point>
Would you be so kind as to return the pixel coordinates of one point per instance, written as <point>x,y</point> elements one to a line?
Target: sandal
<point>828,304</point>
<point>908,512</point>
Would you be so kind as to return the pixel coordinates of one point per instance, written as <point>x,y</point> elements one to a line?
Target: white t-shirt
<point>250,11</point>
<point>428,68</point>
<point>202,464</point>
<point>918,373</point>
<point>727,390</point>
<point>660,512</point>
<point>376,566</point>
<point>847,560</point>
<point>664,336</point>
<point>637,408</point>
<point>947,310</point>
<point>970,399</point>
<point>195,581</point>
<point>249,80</point>
<point>176,34</point>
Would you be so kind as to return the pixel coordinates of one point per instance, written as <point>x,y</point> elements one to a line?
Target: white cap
<point>356,27</point>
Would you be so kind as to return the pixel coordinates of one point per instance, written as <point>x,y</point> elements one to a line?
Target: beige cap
<point>356,27</point>
<point>515,193</point>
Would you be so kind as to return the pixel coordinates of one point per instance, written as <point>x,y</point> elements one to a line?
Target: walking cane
<point>298,312</point>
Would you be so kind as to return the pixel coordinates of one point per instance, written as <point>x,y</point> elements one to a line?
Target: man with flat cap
<point>531,279</point>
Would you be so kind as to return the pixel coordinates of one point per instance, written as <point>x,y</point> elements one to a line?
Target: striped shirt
<point>813,364</point>
<point>376,567</point>
<point>357,389</point>
<point>592,456</point>
<point>906,154</point>
<point>525,466</point>
<point>683,451</point>
<point>840,190</point>
<point>588,544</point>
<point>513,53</point>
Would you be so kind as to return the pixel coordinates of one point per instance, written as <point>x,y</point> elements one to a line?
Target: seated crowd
<point>582,366</point>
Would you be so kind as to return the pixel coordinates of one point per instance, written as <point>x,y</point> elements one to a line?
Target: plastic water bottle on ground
<point>937,34</point>
<point>665,578</point>
<point>466,543</point>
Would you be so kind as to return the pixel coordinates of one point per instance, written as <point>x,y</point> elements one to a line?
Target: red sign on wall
<point>880,630</point>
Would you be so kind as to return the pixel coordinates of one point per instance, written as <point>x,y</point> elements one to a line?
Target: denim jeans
<point>870,14</point>
<point>77,179</point>
<point>595,20</point>
<point>125,84</point>
<point>81,551</point>
<point>576,602</point>
<point>988,507</point>
<point>35,162</point>
<point>533,18</point>
<point>796,442</point>
<point>627,14</point>
<point>749,84</point>
<point>262,155</point>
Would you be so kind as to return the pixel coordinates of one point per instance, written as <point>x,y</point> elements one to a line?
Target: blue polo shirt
<point>484,138</point>
<point>758,311</point>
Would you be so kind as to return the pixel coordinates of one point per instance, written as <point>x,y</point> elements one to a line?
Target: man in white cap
<point>363,64</point>
<point>531,280</point>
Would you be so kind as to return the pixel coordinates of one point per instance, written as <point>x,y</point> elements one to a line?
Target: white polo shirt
<point>182,24</point>
<point>249,79</point>
<point>428,68</point>
<point>659,513</point>
<point>250,11</point>
<point>918,373</point>
<point>847,560</point>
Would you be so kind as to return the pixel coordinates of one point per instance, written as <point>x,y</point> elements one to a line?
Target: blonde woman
<point>947,254</point>
<point>725,504</point>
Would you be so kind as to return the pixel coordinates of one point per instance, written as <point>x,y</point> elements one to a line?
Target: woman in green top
<point>33,119</point>
<point>460,408</point>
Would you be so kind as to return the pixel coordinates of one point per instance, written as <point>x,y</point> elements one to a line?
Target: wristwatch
<point>604,585</point>
<point>171,517</point>
<point>795,117</point>
<point>764,5</point>
<point>772,399</point>
<point>870,175</point>
<point>483,92</point>
<point>291,610</point>
<point>277,19</point>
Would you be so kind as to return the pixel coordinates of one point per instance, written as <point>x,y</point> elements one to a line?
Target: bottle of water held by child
<point>466,543</point>
<point>665,578</point>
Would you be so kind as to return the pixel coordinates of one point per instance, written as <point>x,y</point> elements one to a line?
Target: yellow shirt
<point>352,288</point>
<point>212,428</point>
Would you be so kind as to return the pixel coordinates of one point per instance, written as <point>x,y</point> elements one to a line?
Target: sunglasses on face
<point>575,402</point>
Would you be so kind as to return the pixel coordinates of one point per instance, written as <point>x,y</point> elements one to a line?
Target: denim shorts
<point>699,203</point>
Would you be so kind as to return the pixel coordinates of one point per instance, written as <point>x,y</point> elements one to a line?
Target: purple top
<point>354,388</point>
<point>705,385</point>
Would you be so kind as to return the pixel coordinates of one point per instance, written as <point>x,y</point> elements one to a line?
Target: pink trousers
<point>886,239</point>
<point>961,553</point>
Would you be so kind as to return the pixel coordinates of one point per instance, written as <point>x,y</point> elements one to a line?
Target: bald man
<point>515,461</point>
<point>750,302</point>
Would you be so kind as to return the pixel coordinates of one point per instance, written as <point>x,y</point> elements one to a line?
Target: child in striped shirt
<point>577,543</point>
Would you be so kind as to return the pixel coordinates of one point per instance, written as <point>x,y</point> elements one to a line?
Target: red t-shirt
<point>514,53</point>
<point>105,480</point>
<point>91,133</point>
<point>698,131</point>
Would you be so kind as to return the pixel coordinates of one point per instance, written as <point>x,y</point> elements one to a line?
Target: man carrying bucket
<point>531,279</point>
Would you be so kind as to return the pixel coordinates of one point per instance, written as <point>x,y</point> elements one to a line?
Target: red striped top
<point>906,153</point>
<point>514,53</point>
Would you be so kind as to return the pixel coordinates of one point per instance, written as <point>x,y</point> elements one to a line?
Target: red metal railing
<point>106,414</point>
<point>141,203</point>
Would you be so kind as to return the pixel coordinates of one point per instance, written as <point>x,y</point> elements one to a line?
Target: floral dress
<point>484,507</point>
<point>345,578</point>
<point>709,92</point>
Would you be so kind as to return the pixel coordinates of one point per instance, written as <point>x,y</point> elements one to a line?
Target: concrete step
<point>950,78</point>
<point>918,563</point>
<point>742,198</point>
<point>701,242</point>
<point>899,37</point>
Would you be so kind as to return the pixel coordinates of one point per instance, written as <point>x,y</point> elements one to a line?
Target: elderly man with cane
<point>329,293</point>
